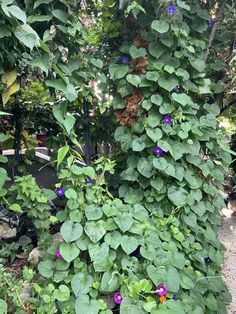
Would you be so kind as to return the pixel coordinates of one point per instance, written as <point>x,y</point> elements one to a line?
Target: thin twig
<point>214,28</point>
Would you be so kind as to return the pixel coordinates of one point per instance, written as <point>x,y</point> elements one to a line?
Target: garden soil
<point>228,238</point>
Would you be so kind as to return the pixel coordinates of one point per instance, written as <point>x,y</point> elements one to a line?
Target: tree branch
<point>214,28</point>
<point>227,107</point>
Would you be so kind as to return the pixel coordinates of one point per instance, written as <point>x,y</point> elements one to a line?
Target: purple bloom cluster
<point>161,290</point>
<point>167,119</point>
<point>171,9</point>
<point>117,298</point>
<point>158,151</point>
<point>125,60</point>
<point>60,192</point>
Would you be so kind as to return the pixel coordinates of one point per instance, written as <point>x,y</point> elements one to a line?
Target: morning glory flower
<point>88,180</point>
<point>161,290</point>
<point>60,192</point>
<point>125,60</point>
<point>58,254</point>
<point>208,260</point>
<point>158,151</point>
<point>117,298</point>
<point>167,119</point>
<point>171,9</point>
<point>174,297</point>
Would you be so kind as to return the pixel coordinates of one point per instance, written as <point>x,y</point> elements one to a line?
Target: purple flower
<point>208,260</point>
<point>161,290</point>
<point>58,254</point>
<point>158,151</point>
<point>117,298</point>
<point>60,192</point>
<point>167,119</point>
<point>174,297</point>
<point>171,9</point>
<point>125,60</point>
<point>88,180</point>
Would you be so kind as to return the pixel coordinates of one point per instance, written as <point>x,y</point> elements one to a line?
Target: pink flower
<point>161,290</point>
<point>58,254</point>
<point>92,84</point>
<point>117,298</point>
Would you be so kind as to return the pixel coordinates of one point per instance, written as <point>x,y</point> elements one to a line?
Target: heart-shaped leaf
<point>129,244</point>
<point>71,231</point>
<point>69,251</point>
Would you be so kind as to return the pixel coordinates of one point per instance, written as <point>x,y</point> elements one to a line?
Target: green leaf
<point>155,134</point>
<point>97,62</point>
<point>110,282</point>
<point>71,231</point>
<point>145,167</point>
<point>167,82</point>
<point>68,89</point>
<point>124,221</point>
<point>177,195</point>
<point>183,5</point>
<point>152,76</point>
<point>137,52</point>
<point>85,306</point>
<point>157,99</point>
<point>62,152</point>
<point>139,212</point>
<point>156,49</point>
<point>95,230</point>
<point>182,73</point>
<point>42,63</point>
<point>16,208</point>
<point>27,36</point>
<point>133,79</point>
<point>38,18</point>
<point>39,2</point>
<point>138,145</point>
<point>46,268</point>
<point>60,15</point>
<point>160,26</point>
<point>160,163</point>
<point>81,283</point>
<point>157,184</point>
<point>69,251</point>
<point>197,64</point>
<point>17,13</point>
<point>118,71</point>
<point>62,293</point>
<point>211,302</point>
<point>173,279</point>
<point>93,212</point>
<point>157,275</point>
<point>182,99</point>
<point>4,32</point>
<point>131,306</point>
<point>3,307</point>
<point>129,244</point>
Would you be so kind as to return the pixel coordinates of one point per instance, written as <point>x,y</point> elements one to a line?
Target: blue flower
<point>174,297</point>
<point>60,192</point>
<point>171,9</point>
<point>208,260</point>
<point>158,151</point>
<point>167,119</point>
<point>125,60</point>
<point>88,180</point>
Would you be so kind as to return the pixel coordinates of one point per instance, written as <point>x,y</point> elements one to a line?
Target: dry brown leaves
<point>128,116</point>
